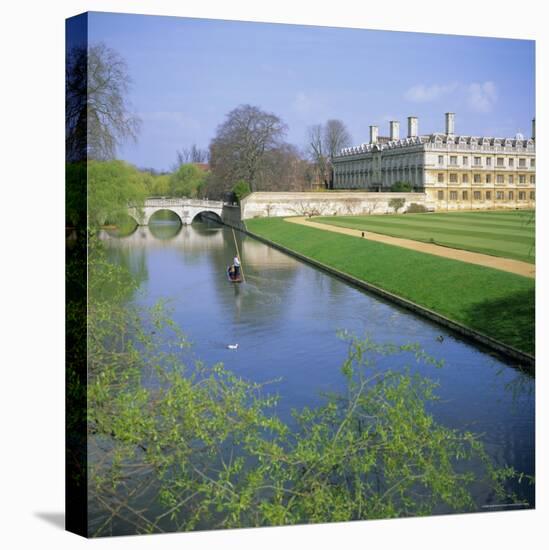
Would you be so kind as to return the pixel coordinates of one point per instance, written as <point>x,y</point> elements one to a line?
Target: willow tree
<point>99,117</point>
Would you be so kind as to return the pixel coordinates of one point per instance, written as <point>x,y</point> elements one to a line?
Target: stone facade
<point>455,171</point>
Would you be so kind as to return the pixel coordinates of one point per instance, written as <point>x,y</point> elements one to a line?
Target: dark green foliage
<point>75,194</point>
<point>401,187</point>
<point>241,189</point>
<point>457,290</point>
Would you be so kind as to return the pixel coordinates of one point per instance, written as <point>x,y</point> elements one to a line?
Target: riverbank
<point>496,304</point>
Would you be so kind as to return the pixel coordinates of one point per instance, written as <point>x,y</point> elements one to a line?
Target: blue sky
<point>189,73</point>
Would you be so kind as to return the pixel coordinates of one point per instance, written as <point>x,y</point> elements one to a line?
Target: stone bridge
<point>186,209</point>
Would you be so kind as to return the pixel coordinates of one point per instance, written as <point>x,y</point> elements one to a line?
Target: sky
<point>187,74</point>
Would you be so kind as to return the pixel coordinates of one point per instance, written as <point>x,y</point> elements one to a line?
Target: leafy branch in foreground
<point>175,447</point>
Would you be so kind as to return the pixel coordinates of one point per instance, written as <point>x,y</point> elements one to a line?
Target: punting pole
<point>238,256</point>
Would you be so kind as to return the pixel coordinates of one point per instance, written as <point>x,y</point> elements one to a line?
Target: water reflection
<point>165,231</point>
<point>285,318</point>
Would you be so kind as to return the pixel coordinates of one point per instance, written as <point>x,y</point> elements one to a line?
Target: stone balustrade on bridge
<point>186,209</point>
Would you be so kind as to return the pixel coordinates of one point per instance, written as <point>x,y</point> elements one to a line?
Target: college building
<point>455,171</point>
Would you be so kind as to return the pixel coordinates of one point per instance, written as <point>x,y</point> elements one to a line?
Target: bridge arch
<point>153,211</point>
<point>207,214</point>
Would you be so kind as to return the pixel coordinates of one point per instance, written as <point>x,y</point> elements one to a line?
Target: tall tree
<point>241,143</point>
<point>317,151</point>
<point>98,114</point>
<point>336,137</point>
<point>324,142</point>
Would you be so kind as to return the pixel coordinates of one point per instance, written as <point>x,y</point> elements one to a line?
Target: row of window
<point>477,178</point>
<point>477,195</point>
<point>477,161</point>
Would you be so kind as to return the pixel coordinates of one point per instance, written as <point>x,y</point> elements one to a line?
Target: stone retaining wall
<point>264,204</point>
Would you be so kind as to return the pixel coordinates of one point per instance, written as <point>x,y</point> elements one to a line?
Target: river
<point>285,319</point>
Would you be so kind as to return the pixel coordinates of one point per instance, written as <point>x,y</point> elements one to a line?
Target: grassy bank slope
<point>496,303</point>
<point>506,234</point>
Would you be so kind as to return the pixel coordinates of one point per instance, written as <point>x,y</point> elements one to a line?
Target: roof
<point>436,138</point>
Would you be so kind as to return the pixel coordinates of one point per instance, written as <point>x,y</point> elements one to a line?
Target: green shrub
<point>416,208</point>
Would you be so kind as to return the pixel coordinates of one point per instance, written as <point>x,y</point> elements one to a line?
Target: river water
<point>285,320</point>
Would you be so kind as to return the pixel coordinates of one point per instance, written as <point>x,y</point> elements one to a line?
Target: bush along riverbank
<point>494,303</point>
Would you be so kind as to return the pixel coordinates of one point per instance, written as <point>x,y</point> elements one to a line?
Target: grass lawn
<point>496,303</point>
<point>509,234</point>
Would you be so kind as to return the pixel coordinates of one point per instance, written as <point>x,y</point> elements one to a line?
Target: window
<point>522,195</point>
<point>532,195</point>
<point>488,161</point>
<point>522,179</point>
<point>499,195</point>
<point>465,161</point>
<point>511,162</point>
<point>441,178</point>
<point>441,159</point>
<point>453,161</point>
<point>511,195</point>
<point>511,179</point>
<point>532,179</point>
<point>453,178</point>
<point>465,178</point>
<point>488,178</point>
<point>532,163</point>
<point>476,178</point>
<point>453,195</point>
<point>522,163</point>
<point>488,195</point>
<point>477,161</point>
<point>440,195</point>
<point>500,161</point>
<point>476,195</point>
<point>499,178</point>
<point>464,195</point>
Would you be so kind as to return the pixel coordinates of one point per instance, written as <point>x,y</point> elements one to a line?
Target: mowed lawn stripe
<point>514,224</point>
<point>507,217</point>
<point>494,302</point>
<point>493,244</point>
<point>431,229</point>
<point>431,219</point>
<point>464,233</point>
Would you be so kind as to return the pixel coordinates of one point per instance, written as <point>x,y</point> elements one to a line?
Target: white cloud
<point>422,94</point>
<point>478,96</point>
<point>482,96</point>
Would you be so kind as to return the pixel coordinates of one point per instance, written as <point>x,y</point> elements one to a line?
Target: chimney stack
<point>412,126</point>
<point>374,130</point>
<point>450,124</point>
<point>394,130</point>
<point>533,128</point>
